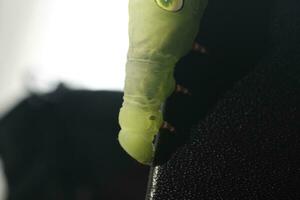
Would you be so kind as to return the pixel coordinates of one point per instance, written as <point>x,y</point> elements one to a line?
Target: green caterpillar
<point>160,33</point>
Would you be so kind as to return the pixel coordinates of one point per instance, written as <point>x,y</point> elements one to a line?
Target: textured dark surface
<point>247,146</point>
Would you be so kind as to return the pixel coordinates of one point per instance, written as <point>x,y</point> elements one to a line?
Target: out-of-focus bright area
<point>80,43</point>
<point>3,186</point>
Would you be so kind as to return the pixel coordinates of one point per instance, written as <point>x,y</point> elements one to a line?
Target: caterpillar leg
<point>168,126</point>
<point>199,48</point>
<point>179,89</point>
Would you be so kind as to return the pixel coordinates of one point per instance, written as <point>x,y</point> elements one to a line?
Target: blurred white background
<point>42,42</point>
<point>82,43</point>
<point>3,186</point>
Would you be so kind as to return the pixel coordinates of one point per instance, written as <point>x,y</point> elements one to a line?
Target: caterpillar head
<point>138,130</point>
<point>160,29</point>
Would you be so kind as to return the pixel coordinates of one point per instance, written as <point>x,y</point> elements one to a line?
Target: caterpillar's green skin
<point>159,35</point>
